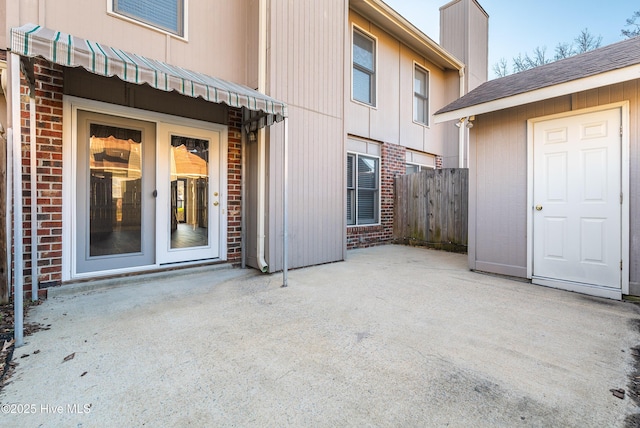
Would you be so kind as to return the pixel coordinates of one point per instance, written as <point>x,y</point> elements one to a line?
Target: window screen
<point>420,96</point>
<point>165,14</point>
<point>362,189</point>
<point>363,68</point>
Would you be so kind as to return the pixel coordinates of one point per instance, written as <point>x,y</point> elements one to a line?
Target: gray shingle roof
<point>608,58</point>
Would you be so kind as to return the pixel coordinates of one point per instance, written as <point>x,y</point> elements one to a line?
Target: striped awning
<point>33,40</point>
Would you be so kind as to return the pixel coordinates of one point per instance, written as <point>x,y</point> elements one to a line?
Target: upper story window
<point>167,15</point>
<point>420,95</point>
<point>364,68</point>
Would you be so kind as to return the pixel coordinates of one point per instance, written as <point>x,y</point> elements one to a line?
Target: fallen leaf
<point>69,357</point>
<point>618,393</point>
<point>7,345</point>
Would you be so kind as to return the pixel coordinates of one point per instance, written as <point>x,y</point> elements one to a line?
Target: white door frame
<point>71,105</point>
<point>624,171</point>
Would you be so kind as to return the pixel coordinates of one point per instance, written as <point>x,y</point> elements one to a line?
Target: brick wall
<point>48,105</point>
<point>234,183</point>
<point>392,163</point>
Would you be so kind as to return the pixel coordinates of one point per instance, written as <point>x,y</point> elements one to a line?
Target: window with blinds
<point>363,178</point>
<point>167,15</point>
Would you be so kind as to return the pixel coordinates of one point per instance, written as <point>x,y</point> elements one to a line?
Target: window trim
<point>355,189</point>
<point>374,88</point>
<point>427,98</point>
<point>111,11</point>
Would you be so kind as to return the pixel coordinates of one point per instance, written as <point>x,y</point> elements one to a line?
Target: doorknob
<point>215,204</point>
<point>538,207</point>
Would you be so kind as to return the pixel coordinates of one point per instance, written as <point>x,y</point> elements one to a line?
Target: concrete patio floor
<point>395,336</point>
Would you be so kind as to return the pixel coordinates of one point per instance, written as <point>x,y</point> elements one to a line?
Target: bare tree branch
<point>583,43</point>
<point>635,27</point>
<point>500,68</point>
<point>564,50</point>
<point>586,41</point>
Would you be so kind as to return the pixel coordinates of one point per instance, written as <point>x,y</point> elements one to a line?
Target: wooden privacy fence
<point>431,209</point>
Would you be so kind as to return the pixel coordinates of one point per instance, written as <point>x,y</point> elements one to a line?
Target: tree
<point>501,68</point>
<point>539,57</point>
<point>563,50</point>
<point>635,27</point>
<point>584,42</point>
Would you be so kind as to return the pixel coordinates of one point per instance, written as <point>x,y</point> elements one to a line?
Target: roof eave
<point>395,24</point>
<point>584,84</point>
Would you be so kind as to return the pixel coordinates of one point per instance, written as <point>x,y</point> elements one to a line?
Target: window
<point>362,189</point>
<point>411,168</point>
<point>364,72</point>
<point>167,15</point>
<point>420,96</point>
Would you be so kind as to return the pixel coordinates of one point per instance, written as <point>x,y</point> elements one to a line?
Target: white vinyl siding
<point>363,196</point>
<point>420,95</point>
<point>167,15</point>
<point>364,68</point>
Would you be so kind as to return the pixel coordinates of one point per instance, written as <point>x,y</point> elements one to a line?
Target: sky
<point>519,26</point>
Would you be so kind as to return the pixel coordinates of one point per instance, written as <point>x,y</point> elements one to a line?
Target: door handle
<point>155,193</point>
<point>538,207</point>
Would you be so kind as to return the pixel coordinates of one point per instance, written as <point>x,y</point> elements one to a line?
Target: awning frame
<point>64,49</point>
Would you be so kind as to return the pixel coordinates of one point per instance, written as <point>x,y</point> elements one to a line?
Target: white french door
<point>147,189</point>
<point>114,193</point>
<point>189,193</point>
<point>577,212</point>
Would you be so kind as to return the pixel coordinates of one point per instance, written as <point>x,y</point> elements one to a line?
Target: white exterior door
<point>147,190</point>
<point>189,193</point>
<point>114,203</point>
<point>577,212</point>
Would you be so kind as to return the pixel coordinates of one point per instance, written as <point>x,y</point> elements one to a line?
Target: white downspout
<point>34,198</point>
<point>8,179</point>
<point>285,203</point>
<point>262,159</point>
<point>243,198</point>
<point>15,137</point>
<point>461,128</point>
